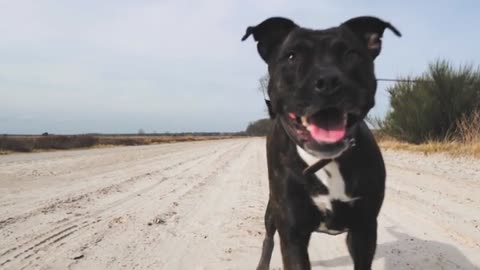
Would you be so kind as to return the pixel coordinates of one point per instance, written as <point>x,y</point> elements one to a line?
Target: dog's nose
<point>327,84</point>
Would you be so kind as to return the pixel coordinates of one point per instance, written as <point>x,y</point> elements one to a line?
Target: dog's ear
<point>370,30</point>
<point>270,34</point>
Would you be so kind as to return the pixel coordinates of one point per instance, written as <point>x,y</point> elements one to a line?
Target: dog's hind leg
<point>362,242</point>
<point>267,247</point>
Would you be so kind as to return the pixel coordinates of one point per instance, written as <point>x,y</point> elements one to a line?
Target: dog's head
<point>322,82</point>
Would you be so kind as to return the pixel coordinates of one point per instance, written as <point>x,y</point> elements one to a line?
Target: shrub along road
<point>199,205</point>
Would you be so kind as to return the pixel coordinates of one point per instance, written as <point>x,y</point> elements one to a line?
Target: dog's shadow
<point>408,252</point>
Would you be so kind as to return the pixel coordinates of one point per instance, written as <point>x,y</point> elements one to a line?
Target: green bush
<point>430,107</point>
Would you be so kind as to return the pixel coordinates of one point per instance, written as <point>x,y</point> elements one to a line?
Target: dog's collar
<point>315,167</point>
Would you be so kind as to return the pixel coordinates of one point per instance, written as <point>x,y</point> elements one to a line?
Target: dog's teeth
<point>304,121</point>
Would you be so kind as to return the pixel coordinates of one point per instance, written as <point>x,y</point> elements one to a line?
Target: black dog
<point>326,171</point>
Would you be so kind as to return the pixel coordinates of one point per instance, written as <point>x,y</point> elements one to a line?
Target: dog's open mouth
<point>327,126</point>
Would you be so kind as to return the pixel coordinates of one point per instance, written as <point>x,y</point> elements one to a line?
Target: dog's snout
<point>327,84</point>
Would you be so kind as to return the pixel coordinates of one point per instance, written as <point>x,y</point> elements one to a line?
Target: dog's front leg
<point>362,242</point>
<point>267,247</point>
<point>294,247</point>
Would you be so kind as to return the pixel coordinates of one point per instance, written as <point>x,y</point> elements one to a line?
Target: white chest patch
<point>331,177</point>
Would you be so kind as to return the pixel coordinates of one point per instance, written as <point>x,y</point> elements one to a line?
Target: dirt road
<point>199,205</point>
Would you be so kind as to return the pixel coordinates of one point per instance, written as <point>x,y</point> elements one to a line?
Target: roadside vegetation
<point>23,143</point>
<point>438,111</point>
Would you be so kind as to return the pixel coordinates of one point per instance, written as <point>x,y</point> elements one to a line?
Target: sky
<point>118,66</point>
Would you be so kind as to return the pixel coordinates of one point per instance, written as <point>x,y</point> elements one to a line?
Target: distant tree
<point>259,128</point>
<point>263,83</point>
<point>263,87</point>
<point>45,134</point>
<point>141,132</point>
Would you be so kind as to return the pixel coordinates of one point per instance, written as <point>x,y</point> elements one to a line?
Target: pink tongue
<point>326,135</point>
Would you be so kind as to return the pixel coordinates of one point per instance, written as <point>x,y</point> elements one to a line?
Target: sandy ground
<point>199,205</point>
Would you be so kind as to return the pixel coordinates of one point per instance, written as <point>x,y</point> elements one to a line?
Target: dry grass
<point>465,140</point>
<point>31,143</point>
<point>468,128</point>
<point>452,147</point>
<point>144,140</point>
<point>9,144</point>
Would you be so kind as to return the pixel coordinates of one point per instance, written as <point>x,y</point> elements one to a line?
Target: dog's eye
<point>291,56</point>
